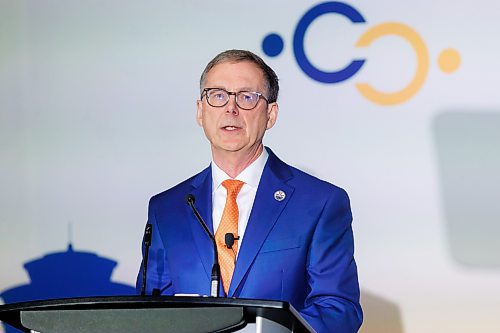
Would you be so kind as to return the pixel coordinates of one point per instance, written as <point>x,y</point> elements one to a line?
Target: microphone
<point>229,240</point>
<point>215,278</point>
<point>147,243</point>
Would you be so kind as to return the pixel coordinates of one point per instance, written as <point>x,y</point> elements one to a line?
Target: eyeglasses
<point>218,97</point>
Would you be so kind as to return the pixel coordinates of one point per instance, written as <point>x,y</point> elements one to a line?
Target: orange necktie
<point>228,224</point>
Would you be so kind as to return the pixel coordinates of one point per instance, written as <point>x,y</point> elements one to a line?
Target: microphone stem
<point>147,244</point>
<point>215,276</point>
<point>146,255</point>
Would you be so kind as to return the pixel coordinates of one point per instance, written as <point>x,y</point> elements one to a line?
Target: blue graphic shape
<point>298,42</point>
<point>66,274</point>
<point>272,45</point>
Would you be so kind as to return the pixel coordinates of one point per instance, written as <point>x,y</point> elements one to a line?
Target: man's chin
<point>235,148</point>
<point>229,145</point>
<point>232,149</point>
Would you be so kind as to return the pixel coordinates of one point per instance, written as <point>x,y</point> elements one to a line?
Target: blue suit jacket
<point>298,250</point>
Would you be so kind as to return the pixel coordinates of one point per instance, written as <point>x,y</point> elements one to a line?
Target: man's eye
<point>218,95</point>
<point>247,97</point>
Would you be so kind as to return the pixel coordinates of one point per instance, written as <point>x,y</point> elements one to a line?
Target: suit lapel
<point>202,191</point>
<point>265,212</point>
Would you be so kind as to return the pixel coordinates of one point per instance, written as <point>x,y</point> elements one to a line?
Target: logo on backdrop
<point>448,60</point>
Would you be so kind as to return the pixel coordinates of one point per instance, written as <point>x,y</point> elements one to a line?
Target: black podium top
<point>149,314</point>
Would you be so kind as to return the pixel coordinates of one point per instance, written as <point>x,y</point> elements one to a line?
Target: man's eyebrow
<point>214,87</point>
<point>247,89</point>
<point>240,89</point>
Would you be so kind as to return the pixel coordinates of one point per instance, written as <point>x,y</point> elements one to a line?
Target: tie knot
<point>233,187</point>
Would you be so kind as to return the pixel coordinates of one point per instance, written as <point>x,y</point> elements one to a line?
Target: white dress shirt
<point>251,177</point>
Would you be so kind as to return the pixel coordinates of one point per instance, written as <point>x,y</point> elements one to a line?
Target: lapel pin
<point>279,195</point>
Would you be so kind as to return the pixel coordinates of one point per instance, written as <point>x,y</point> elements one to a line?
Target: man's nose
<point>231,105</point>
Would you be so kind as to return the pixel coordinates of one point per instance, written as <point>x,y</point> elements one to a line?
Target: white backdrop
<point>97,114</point>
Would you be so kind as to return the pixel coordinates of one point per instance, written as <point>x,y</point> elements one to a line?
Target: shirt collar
<point>250,176</point>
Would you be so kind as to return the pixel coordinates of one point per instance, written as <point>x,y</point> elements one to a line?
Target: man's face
<point>230,128</point>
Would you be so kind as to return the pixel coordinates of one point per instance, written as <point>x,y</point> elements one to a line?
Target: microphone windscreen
<point>229,240</point>
<point>189,198</point>
<point>147,234</point>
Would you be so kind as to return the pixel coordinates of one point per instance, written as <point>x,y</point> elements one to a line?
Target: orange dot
<point>449,60</point>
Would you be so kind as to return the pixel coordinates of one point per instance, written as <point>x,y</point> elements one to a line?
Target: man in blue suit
<point>294,236</point>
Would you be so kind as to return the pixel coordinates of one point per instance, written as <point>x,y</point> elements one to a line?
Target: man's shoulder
<point>304,179</point>
<point>181,190</point>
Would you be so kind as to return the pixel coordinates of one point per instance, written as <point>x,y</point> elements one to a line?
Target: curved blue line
<point>298,42</point>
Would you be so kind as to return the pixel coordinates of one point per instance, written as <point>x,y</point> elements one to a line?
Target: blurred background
<point>397,102</point>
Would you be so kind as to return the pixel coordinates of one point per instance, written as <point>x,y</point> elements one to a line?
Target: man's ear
<point>272,114</point>
<point>199,112</point>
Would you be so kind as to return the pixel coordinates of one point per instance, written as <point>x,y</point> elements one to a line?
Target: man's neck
<point>233,163</point>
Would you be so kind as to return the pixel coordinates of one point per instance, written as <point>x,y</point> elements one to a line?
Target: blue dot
<point>272,45</point>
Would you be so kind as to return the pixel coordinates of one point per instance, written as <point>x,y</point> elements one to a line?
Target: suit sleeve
<point>332,304</point>
<point>158,275</point>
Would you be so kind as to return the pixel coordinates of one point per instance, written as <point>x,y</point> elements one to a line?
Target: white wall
<point>97,105</point>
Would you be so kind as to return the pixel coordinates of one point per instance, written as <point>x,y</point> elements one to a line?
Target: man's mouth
<point>230,128</point>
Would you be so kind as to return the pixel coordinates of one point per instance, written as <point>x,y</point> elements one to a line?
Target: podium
<point>179,314</point>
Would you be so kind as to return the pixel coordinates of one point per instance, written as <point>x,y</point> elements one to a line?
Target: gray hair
<point>235,56</point>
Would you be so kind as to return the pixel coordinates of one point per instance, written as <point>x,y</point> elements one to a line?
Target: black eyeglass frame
<point>235,93</point>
